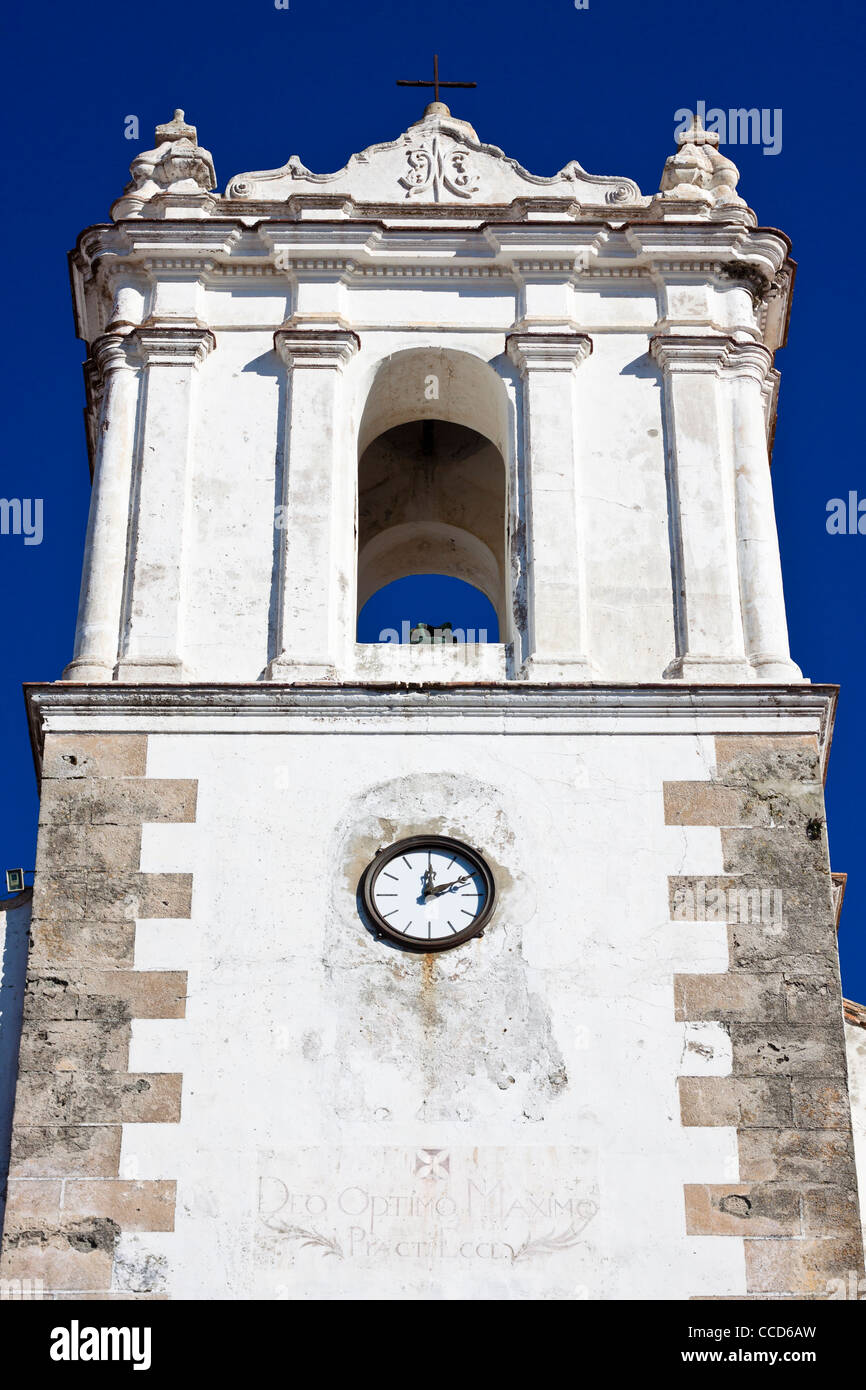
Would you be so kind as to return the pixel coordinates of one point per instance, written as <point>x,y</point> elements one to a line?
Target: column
<point>153,642</point>
<point>710,643</point>
<point>97,634</point>
<point>760,569</point>
<point>316,535</point>
<point>556,621</point>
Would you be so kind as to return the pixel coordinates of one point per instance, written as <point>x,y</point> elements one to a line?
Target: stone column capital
<point>112,352</point>
<point>316,345</point>
<point>691,352</point>
<point>556,350</point>
<point>177,345</point>
<point>749,359</point>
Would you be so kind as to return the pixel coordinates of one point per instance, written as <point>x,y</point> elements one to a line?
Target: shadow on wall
<point>14,941</point>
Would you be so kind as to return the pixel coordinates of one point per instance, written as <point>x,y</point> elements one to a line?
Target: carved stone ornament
<point>437,170</point>
<point>177,166</point>
<point>697,173</point>
<point>439,159</point>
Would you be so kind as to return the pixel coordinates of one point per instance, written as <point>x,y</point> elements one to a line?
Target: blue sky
<point>600,85</point>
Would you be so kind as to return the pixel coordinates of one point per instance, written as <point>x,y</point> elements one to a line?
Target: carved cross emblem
<point>432,1163</point>
<point>434,168</point>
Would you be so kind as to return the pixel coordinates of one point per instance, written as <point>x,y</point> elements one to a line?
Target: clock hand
<point>444,887</point>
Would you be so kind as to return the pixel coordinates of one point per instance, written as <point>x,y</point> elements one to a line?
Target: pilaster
<point>316,533</point>
<point>556,621</point>
<point>100,606</point>
<point>171,354</point>
<point>701,505</point>
<point>747,371</point>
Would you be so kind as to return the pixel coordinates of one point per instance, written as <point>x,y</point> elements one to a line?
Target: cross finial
<point>696,135</point>
<point>436,83</point>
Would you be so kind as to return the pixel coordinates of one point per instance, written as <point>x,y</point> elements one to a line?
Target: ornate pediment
<point>438,160</point>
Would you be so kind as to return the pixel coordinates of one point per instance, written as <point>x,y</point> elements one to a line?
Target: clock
<point>428,892</point>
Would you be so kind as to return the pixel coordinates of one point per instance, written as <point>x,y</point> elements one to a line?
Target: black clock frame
<point>390,852</point>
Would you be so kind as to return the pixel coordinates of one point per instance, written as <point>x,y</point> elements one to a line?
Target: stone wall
<point>796,1203</point>
<point>66,1204</point>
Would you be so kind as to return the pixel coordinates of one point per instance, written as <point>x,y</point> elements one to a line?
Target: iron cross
<point>435,84</point>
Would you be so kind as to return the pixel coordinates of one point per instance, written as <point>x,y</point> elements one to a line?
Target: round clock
<point>428,892</point>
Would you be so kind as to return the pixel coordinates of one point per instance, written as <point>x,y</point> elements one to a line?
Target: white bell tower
<point>479,970</point>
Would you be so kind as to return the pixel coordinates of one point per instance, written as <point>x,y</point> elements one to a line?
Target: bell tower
<point>459,969</point>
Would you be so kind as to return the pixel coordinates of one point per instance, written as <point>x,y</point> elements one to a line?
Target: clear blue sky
<point>554,83</point>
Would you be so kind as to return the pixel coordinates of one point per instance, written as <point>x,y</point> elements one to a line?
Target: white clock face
<point>429,892</point>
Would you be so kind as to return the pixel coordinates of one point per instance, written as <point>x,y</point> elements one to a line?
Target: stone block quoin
<point>795,1205</point>
<point>66,1204</point>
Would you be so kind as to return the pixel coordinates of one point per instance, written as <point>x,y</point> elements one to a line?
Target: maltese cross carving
<point>433,169</point>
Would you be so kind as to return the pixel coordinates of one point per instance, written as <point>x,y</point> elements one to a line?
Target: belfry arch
<point>433,476</point>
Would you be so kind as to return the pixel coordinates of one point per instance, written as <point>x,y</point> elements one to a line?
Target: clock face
<point>428,892</point>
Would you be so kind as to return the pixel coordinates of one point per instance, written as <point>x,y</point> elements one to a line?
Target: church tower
<point>431,969</point>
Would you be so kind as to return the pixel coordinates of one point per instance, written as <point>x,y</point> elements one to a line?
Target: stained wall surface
<point>621,1090</point>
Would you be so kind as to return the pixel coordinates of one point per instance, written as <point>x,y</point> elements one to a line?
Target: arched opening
<point>432,493</point>
<point>432,609</point>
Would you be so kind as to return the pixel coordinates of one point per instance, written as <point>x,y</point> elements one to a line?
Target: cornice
<point>685,247</point>
<point>599,700</point>
<point>587,256</point>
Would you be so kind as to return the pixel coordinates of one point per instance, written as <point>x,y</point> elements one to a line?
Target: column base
<point>155,670</point>
<point>300,672</point>
<point>551,670</point>
<point>83,670</point>
<point>709,668</point>
<point>776,668</point>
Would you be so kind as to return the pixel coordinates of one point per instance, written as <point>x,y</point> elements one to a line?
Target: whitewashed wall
<point>855,1040</point>
<point>636,389</point>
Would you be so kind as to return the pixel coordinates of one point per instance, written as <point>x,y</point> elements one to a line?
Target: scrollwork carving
<point>439,168</point>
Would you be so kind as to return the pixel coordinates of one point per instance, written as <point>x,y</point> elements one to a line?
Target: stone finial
<point>698,173</point>
<point>692,135</point>
<point>176,129</point>
<point>177,166</point>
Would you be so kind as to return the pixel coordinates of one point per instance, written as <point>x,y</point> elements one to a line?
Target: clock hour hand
<point>445,887</point>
